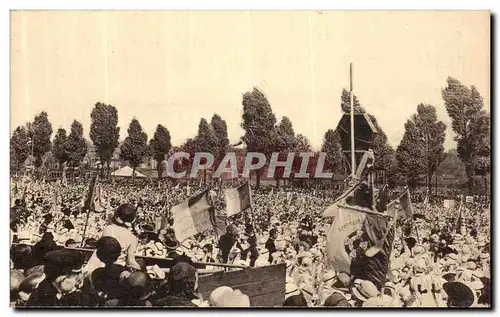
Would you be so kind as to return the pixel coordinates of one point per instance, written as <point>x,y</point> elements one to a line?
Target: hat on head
<point>64,261</point>
<point>336,300</point>
<point>329,276</point>
<point>478,274</point>
<point>343,281</point>
<point>374,302</point>
<point>23,236</point>
<point>459,294</point>
<point>484,256</point>
<point>418,249</point>
<point>218,293</point>
<point>363,290</point>
<point>471,265</point>
<point>291,289</point>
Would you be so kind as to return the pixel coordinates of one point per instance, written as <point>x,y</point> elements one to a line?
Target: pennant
<point>192,216</point>
<point>237,199</point>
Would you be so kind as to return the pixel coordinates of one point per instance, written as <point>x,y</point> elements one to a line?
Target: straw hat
<point>363,290</point>
<point>291,289</point>
<point>329,276</point>
<point>218,293</point>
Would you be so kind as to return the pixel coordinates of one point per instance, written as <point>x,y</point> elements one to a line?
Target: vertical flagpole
<point>251,206</point>
<point>89,206</point>
<point>353,159</point>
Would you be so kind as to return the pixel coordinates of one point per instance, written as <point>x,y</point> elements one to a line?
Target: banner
<point>469,199</point>
<point>192,216</point>
<point>354,231</point>
<point>237,199</point>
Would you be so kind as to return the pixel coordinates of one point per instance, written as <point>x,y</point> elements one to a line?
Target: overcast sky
<point>175,67</point>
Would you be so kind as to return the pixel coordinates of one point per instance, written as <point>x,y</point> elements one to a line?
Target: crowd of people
<point>440,259</point>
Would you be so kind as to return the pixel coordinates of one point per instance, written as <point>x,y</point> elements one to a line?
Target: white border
<point>198,5</point>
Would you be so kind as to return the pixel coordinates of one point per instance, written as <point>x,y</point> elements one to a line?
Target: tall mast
<point>353,159</point>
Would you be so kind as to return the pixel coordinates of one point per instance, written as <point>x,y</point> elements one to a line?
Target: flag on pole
<point>192,216</point>
<point>237,199</point>
<point>354,231</point>
<point>402,204</point>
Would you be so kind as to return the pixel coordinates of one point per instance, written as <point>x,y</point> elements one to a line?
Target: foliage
<point>104,131</point>
<point>259,124</point>
<point>410,155</point>
<point>345,103</point>
<point>471,124</point>
<point>39,132</point>
<point>219,127</point>
<point>19,147</point>
<point>59,148</point>
<point>160,145</point>
<point>135,147</point>
<point>76,145</point>
<point>425,142</point>
<point>332,147</point>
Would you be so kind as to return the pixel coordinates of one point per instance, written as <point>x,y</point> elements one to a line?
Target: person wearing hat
<point>62,280</point>
<point>27,286</point>
<point>182,287</point>
<point>459,294</point>
<point>270,246</point>
<point>297,300</point>
<point>226,242</point>
<point>121,228</point>
<point>336,300</point>
<point>362,291</point>
<point>252,248</point>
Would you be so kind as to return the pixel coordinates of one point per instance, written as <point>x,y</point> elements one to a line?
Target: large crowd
<point>441,259</point>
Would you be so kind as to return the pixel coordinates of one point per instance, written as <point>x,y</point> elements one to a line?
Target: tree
<point>345,103</point>
<point>285,143</point>
<point>385,156</point>
<point>20,147</point>
<point>427,134</point>
<point>59,149</point>
<point>410,155</point>
<point>220,129</point>
<point>160,145</point>
<point>470,122</point>
<point>259,124</point>
<point>76,145</point>
<point>104,131</point>
<point>206,141</point>
<point>333,149</point>
<point>135,147</point>
<point>302,144</point>
<point>39,132</point>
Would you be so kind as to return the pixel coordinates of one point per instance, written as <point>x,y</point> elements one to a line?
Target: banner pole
<point>89,205</point>
<point>353,159</point>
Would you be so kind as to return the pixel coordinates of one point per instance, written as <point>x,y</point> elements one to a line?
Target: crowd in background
<point>439,259</point>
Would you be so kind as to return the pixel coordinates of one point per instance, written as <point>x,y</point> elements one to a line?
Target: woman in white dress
<point>120,228</point>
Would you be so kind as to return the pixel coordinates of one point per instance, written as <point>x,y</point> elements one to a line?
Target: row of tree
<point>418,155</point>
